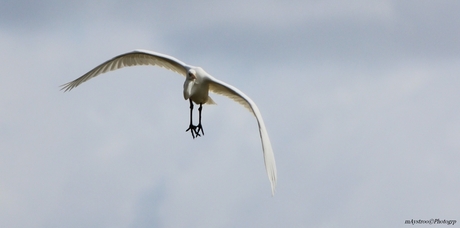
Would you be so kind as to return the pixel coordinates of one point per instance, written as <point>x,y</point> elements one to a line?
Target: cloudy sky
<point>360,98</point>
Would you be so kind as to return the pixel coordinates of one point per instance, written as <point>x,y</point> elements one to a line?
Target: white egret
<point>197,85</point>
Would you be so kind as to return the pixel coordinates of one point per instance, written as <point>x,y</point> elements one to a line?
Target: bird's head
<point>191,75</point>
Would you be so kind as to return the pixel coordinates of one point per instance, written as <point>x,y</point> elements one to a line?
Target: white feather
<point>197,85</point>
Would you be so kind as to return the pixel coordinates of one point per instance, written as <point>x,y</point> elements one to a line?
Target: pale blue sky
<point>360,99</point>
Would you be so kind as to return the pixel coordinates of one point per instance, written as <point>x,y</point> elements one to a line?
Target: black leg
<point>199,127</point>
<point>191,127</point>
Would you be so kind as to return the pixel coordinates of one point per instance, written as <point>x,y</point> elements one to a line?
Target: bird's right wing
<point>134,58</point>
<point>235,94</point>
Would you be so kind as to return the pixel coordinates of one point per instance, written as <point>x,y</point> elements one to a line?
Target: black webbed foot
<point>194,131</point>
<point>198,129</point>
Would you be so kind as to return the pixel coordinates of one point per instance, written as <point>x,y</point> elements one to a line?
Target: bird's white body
<point>197,86</point>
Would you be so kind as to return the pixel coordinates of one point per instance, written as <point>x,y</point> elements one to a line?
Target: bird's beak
<point>188,88</point>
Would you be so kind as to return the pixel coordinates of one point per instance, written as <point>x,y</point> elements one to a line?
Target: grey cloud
<point>360,101</point>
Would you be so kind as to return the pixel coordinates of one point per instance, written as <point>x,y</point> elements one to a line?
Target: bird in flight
<point>197,86</point>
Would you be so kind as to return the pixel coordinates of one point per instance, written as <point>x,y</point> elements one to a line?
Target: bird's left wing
<point>235,94</point>
<point>134,58</point>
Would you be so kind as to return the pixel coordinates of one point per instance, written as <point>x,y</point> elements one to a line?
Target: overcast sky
<point>360,98</point>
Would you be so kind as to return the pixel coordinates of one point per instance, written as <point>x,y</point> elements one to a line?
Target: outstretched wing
<point>235,94</point>
<point>134,58</point>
